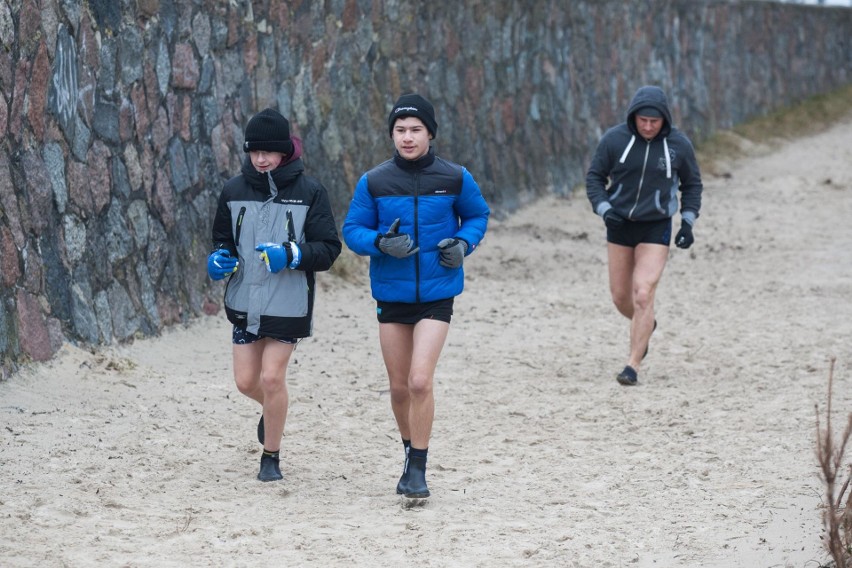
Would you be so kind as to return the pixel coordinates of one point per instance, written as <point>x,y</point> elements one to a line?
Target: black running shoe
<point>628,376</point>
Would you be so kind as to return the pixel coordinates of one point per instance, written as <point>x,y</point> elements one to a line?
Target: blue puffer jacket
<point>434,199</point>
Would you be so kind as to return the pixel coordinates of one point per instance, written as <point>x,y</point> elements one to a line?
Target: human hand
<point>612,219</point>
<point>396,244</point>
<point>684,238</point>
<point>278,257</point>
<point>221,264</point>
<point>452,252</point>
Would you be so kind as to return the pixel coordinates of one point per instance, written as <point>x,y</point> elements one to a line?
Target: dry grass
<point>765,133</point>
<point>837,514</point>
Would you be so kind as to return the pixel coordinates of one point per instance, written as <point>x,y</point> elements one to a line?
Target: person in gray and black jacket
<point>633,183</point>
<point>273,230</point>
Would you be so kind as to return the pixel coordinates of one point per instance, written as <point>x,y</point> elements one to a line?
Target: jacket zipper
<point>239,227</point>
<point>291,227</point>
<point>641,179</point>
<point>417,235</point>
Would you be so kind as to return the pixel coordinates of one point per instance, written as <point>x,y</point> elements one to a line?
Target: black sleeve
<point>597,176</point>
<point>223,236</point>
<point>322,244</point>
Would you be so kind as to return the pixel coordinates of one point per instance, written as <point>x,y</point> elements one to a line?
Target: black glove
<point>396,244</point>
<point>612,219</point>
<point>684,238</point>
<point>452,252</point>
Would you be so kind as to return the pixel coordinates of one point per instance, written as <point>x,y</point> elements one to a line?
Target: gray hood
<point>654,97</point>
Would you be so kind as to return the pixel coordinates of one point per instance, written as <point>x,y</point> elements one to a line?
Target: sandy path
<point>144,455</point>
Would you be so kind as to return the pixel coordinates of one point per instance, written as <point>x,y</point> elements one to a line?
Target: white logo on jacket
<point>661,163</point>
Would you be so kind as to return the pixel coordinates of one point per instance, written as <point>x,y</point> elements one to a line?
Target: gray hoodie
<point>640,179</point>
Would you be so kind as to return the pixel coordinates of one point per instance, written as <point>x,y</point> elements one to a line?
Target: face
<point>264,161</point>
<point>648,127</point>
<point>411,137</point>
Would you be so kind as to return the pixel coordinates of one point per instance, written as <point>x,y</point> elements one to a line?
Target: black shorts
<point>632,233</point>
<point>399,312</point>
<point>242,337</point>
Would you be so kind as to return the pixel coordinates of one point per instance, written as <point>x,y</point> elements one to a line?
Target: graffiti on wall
<point>64,89</point>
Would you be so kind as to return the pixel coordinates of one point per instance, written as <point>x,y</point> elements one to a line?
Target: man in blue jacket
<point>417,216</point>
<point>637,170</point>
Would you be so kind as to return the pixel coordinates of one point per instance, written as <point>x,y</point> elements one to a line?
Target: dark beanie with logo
<point>414,105</point>
<point>268,131</point>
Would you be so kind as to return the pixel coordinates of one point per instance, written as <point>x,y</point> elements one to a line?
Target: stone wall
<point>122,118</point>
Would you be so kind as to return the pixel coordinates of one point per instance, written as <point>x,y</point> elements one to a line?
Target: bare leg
<point>429,338</point>
<point>411,355</point>
<point>397,342</point>
<point>621,266</point>
<point>650,260</point>
<point>260,372</point>
<point>273,380</point>
<point>247,365</point>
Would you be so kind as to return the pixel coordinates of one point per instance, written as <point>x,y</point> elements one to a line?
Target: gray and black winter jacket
<point>254,208</point>
<point>640,179</point>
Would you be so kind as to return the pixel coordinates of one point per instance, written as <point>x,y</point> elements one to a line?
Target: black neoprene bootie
<point>415,486</point>
<point>269,468</point>
<point>403,479</point>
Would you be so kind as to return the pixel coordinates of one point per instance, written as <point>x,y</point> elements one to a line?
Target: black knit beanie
<point>414,105</point>
<point>269,131</point>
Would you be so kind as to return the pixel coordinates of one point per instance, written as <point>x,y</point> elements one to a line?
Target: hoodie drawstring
<point>665,151</point>
<point>627,150</point>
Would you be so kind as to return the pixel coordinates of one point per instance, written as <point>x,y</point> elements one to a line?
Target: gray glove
<point>452,252</point>
<point>396,244</point>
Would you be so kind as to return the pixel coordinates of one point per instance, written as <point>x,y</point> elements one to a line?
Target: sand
<point>145,454</point>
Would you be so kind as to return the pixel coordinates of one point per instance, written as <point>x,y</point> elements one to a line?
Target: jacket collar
<point>282,176</point>
<point>423,161</point>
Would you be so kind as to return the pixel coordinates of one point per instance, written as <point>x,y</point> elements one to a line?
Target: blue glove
<point>278,257</point>
<point>221,264</point>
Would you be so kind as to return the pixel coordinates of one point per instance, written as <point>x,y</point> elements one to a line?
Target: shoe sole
<point>270,478</point>
<point>417,495</point>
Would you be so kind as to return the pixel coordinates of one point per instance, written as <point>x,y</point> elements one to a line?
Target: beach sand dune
<point>145,454</point>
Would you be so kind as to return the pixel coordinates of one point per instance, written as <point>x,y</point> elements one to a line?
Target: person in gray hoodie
<point>633,182</point>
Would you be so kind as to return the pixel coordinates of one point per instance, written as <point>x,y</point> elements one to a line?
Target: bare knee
<point>623,303</point>
<point>247,385</point>
<point>420,386</point>
<point>272,383</point>
<point>399,392</point>
<point>643,298</point>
